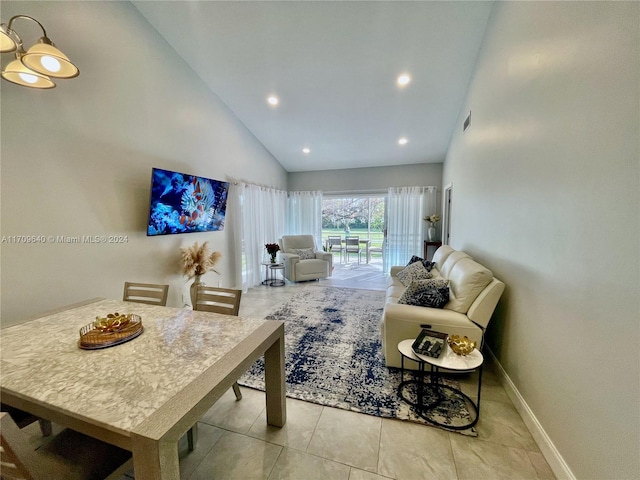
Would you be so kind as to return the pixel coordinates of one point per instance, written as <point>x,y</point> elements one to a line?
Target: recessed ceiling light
<point>306,150</point>
<point>273,100</point>
<point>404,79</point>
<point>403,141</point>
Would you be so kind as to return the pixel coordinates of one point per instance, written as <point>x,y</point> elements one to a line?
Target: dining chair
<point>335,244</point>
<point>22,419</point>
<point>377,248</point>
<point>149,293</point>
<point>216,300</point>
<point>67,456</point>
<point>353,246</point>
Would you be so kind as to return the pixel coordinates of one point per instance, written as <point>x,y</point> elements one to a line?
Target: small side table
<point>428,244</point>
<point>275,281</point>
<point>421,388</point>
<point>450,361</point>
<point>269,273</point>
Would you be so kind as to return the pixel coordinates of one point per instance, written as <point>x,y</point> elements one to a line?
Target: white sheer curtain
<point>304,215</point>
<point>260,219</point>
<point>406,207</point>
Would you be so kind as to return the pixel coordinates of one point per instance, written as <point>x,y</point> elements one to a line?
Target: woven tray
<point>92,338</point>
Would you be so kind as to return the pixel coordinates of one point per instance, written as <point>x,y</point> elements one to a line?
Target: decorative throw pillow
<point>412,272</point>
<point>427,264</point>
<point>305,253</point>
<point>433,292</point>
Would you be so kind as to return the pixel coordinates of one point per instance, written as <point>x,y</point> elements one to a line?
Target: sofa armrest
<point>395,269</point>
<point>482,308</point>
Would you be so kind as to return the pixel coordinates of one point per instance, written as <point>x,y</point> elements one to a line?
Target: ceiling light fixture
<point>404,79</point>
<point>7,44</point>
<point>403,141</point>
<point>306,150</point>
<point>273,100</point>
<point>34,67</point>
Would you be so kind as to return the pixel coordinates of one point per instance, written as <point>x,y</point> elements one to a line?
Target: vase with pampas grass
<point>196,261</point>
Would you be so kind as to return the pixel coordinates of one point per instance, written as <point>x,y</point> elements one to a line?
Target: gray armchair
<point>302,260</point>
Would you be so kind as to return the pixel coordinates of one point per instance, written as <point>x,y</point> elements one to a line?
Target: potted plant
<point>272,250</point>
<point>196,261</point>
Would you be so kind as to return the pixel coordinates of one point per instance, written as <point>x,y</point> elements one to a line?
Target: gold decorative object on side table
<point>461,345</point>
<point>111,330</point>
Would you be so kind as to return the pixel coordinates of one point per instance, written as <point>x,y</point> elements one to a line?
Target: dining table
<point>363,242</point>
<point>145,394</point>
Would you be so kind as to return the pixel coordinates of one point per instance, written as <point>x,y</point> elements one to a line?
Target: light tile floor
<point>325,443</point>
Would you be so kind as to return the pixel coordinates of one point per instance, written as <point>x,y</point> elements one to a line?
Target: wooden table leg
<point>155,460</point>
<point>275,382</point>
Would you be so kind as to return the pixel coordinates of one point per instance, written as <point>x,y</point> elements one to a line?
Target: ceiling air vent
<point>467,123</point>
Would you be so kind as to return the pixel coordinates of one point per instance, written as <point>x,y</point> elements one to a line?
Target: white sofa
<point>297,269</point>
<point>473,295</point>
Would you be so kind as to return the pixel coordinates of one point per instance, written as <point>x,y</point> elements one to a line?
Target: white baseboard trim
<point>560,468</point>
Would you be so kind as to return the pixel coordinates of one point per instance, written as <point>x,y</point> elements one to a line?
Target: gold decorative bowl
<point>461,345</point>
<point>113,329</point>
<point>113,322</point>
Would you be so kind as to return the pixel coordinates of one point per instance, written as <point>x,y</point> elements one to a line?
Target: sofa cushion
<point>441,254</point>
<point>305,253</point>
<point>451,261</point>
<point>426,293</point>
<point>466,280</point>
<point>427,264</point>
<point>412,272</point>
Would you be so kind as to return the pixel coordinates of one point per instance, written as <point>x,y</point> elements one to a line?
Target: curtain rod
<point>355,192</point>
<point>372,192</point>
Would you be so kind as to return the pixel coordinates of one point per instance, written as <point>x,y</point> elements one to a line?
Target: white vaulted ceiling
<point>333,66</point>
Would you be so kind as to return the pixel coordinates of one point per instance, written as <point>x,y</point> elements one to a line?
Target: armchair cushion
<point>305,253</point>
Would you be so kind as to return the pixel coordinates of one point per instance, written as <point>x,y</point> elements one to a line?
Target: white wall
<point>366,179</point>
<point>545,193</point>
<point>76,160</point>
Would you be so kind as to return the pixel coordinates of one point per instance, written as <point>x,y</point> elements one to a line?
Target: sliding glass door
<point>356,215</point>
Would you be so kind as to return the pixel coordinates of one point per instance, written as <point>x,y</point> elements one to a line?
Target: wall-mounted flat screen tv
<point>182,203</point>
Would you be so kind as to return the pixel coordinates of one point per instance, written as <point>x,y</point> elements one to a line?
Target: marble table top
<point>119,386</point>
<point>448,359</point>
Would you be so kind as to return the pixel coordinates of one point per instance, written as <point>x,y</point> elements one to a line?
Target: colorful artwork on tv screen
<point>182,203</point>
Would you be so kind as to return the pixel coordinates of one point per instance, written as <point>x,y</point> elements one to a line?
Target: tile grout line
<point>315,428</point>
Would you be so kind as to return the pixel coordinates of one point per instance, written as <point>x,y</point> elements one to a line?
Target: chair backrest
<point>146,293</point>
<point>218,300</point>
<point>353,243</point>
<point>13,446</point>
<point>22,419</point>
<point>290,242</point>
<point>335,240</point>
<point>69,455</point>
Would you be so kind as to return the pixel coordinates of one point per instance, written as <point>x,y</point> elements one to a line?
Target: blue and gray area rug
<point>334,356</point>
